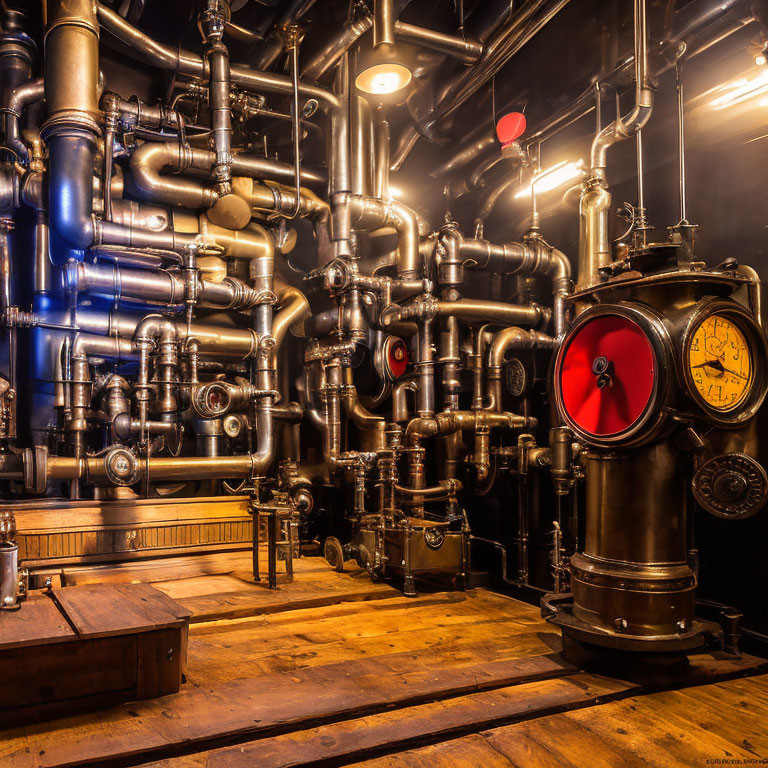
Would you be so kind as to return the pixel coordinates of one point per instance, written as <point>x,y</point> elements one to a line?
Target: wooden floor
<point>334,670</point>
<point>723,723</point>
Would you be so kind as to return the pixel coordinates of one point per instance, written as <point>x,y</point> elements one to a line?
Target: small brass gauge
<point>720,364</point>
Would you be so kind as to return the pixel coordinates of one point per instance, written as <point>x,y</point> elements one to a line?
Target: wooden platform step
<point>200,718</point>
<point>358,738</point>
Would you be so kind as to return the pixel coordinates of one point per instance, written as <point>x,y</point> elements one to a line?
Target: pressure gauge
<point>723,353</point>
<point>610,374</point>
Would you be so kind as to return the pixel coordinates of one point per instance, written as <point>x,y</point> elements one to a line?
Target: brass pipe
<point>369,423</point>
<point>370,213</point>
<point>503,341</point>
<point>151,158</point>
<point>384,23</point>
<point>380,155</point>
<point>454,421</point>
<point>270,196</point>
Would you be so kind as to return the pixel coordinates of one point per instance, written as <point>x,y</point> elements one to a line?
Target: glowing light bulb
<point>381,79</point>
<point>759,60</point>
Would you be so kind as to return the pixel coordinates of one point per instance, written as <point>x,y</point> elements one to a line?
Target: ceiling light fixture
<point>383,72</point>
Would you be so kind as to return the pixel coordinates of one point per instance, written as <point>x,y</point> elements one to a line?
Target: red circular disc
<point>612,404</point>
<point>397,357</point>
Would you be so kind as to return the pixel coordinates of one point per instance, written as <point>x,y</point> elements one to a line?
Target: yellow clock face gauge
<point>720,363</point>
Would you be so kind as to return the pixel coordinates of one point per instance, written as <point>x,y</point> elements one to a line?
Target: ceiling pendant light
<point>383,71</point>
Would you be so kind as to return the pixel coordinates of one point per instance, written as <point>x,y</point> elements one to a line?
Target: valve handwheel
<point>607,375</point>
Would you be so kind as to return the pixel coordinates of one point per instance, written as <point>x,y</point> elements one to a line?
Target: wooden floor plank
<point>355,738</point>
<point>255,705</point>
<point>457,623</point>
<point>469,752</point>
<point>330,667</point>
<point>658,730</point>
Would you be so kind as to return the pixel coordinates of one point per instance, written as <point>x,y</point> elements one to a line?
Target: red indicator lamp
<point>607,375</point>
<point>510,128</point>
<point>396,357</point>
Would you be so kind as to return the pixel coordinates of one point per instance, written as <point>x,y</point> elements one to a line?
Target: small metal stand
<point>281,525</point>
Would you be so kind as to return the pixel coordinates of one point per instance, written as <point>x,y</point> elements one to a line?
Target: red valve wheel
<point>607,375</point>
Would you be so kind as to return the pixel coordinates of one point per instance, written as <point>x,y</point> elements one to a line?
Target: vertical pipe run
<point>71,93</point>
<point>214,19</point>
<point>426,368</point>
<point>293,43</point>
<point>361,140</point>
<point>383,23</point>
<point>681,131</point>
<point>381,155</point>
<point>340,183</point>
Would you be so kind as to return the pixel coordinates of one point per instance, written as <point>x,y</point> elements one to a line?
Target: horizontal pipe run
<point>457,421</point>
<point>187,63</point>
<point>158,286</point>
<point>149,160</point>
<point>462,49</point>
<point>465,50</point>
<point>481,310</point>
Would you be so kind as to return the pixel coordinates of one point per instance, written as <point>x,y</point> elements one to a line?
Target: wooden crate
<point>81,648</point>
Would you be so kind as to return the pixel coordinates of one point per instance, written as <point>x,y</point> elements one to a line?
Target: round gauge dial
<point>607,375</point>
<point>720,363</point>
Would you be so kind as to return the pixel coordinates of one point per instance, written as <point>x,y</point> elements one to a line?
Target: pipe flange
<point>120,466</point>
<point>35,463</point>
<point>72,122</point>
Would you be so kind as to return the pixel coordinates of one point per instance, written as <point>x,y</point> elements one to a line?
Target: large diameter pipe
<point>72,61</point>
<point>71,91</point>
<point>158,286</point>
<point>361,145</point>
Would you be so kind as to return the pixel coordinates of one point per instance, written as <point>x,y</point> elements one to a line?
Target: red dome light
<point>510,128</point>
<point>396,357</point>
<point>607,375</point>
